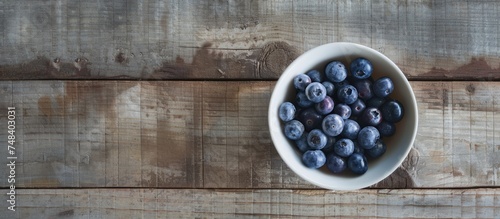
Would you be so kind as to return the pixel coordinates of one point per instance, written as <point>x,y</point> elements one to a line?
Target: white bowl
<point>398,145</point>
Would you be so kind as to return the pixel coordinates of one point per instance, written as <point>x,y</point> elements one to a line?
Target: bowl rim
<point>280,150</point>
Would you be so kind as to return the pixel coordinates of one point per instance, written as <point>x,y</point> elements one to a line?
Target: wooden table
<point>158,109</point>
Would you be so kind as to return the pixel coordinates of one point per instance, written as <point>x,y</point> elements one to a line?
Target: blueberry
<point>386,128</point>
<point>329,144</point>
<point>342,110</point>
<point>325,106</point>
<point>286,111</point>
<point>347,94</point>
<point>351,129</point>
<point>357,163</point>
<point>333,125</point>
<point>314,158</point>
<point>361,68</point>
<point>315,92</point>
<point>392,111</point>
<point>316,139</point>
<point>375,102</point>
<point>310,119</point>
<point>302,100</point>
<point>315,76</point>
<point>330,88</point>
<point>377,151</point>
<point>335,71</point>
<point>383,87</point>
<point>301,81</point>
<point>294,129</point>
<point>367,137</point>
<point>344,147</point>
<point>301,143</point>
<point>371,116</point>
<point>357,107</point>
<point>335,164</point>
<point>364,88</point>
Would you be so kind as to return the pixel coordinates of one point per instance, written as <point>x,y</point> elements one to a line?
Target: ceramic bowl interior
<point>398,145</point>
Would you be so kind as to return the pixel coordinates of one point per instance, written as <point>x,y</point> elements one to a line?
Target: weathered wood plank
<point>189,203</point>
<point>91,133</point>
<point>149,131</point>
<point>214,135</point>
<point>179,134</point>
<point>458,119</point>
<point>150,39</point>
<point>128,114</point>
<point>237,149</point>
<point>111,142</point>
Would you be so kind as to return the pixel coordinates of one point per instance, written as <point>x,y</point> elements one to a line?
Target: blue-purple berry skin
<point>342,110</point>
<point>302,144</point>
<point>357,163</point>
<point>392,111</point>
<point>371,117</point>
<point>315,76</point>
<point>357,107</point>
<point>325,106</point>
<point>336,71</point>
<point>344,147</point>
<point>375,102</point>
<point>343,83</point>
<point>335,163</point>
<point>316,139</point>
<point>351,129</point>
<point>364,88</point>
<point>330,88</point>
<point>315,92</point>
<point>357,148</point>
<point>367,137</point>
<point>383,87</point>
<point>302,100</point>
<point>361,68</point>
<point>329,144</point>
<point>347,94</point>
<point>386,129</point>
<point>286,111</point>
<point>301,81</point>
<point>310,118</point>
<point>294,129</point>
<point>314,159</point>
<point>332,125</point>
<point>378,150</point>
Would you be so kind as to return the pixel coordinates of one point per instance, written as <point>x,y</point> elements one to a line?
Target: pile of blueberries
<point>340,119</point>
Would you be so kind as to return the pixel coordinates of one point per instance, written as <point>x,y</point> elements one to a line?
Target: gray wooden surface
<point>149,39</point>
<point>264,203</point>
<point>215,135</point>
<point>158,109</point>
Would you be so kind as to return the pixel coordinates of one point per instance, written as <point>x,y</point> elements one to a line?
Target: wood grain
<point>179,134</point>
<point>158,109</point>
<point>152,39</point>
<point>283,203</point>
